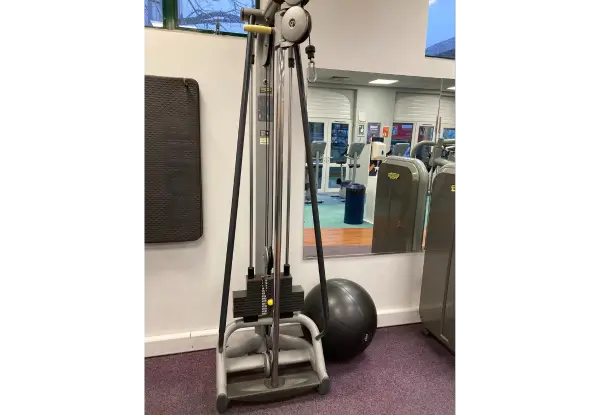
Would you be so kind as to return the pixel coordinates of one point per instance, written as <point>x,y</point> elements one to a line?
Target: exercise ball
<point>352,318</point>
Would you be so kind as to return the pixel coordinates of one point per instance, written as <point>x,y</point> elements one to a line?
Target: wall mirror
<point>371,192</point>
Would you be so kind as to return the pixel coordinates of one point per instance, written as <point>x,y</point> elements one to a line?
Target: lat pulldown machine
<point>270,299</point>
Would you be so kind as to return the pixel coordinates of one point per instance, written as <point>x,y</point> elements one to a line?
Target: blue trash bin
<point>355,204</point>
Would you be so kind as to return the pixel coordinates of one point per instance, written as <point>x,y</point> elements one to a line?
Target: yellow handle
<point>254,28</point>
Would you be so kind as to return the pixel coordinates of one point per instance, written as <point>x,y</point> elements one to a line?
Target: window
<point>441,29</point>
<point>219,16</point>
<point>153,13</point>
<point>212,16</point>
<point>402,133</point>
<point>449,133</point>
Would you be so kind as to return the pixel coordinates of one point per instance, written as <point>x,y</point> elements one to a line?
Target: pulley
<point>295,25</point>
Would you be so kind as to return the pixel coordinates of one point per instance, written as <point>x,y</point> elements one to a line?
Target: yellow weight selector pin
<point>270,302</point>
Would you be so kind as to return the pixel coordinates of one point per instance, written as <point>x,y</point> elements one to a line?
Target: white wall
<point>381,36</point>
<point>183,282</point>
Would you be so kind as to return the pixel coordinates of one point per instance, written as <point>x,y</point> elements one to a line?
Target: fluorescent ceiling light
<point>452,88</point>
<point>383,81</point>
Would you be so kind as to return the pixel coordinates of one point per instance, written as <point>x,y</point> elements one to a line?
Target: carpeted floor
<point>402,373</point>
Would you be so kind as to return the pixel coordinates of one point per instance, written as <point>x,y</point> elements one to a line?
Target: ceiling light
<point>452,88</point>
<point>383,81</point>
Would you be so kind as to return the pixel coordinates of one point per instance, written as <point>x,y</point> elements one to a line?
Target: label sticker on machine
<point>453,188</point>
<point>393,176</point>
<point>266,90</point>
<point>264,137</point>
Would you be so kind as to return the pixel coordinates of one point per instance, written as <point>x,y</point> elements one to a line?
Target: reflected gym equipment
<point>351,155</point>
<point>399,149</point>
<point>400,205</point>
<point>317,151</point>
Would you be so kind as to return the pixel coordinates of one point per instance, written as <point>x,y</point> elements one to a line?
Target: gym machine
<point>437,302</point>
<point>317,150</point>
<point>442,152</point>
<point>400,206</point>
<point>399,149</point>
<point>351,155</point>
<point>270,299</point>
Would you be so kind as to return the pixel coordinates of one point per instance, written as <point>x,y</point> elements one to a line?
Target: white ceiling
<point>334,76</point>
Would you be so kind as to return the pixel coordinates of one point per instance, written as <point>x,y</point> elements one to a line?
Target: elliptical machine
<point>270,299</point>
<point>355,150</point>
<point>317,149</point>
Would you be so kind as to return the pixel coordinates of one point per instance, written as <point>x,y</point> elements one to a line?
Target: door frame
<point>444,126</point>
<point>419,124</point>
<point>412,136</point>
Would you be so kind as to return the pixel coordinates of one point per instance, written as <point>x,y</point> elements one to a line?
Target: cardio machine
<point>399,149</point>
<point>317,149</point>
<point>351,156</point>
<point>272,365</point>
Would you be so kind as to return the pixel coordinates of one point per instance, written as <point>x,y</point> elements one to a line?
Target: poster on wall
<point>386,132</point>
<point>373,129</point>
<point>441,29</point>
<point>361,130</point>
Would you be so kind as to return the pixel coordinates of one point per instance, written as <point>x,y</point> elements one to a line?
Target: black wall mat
<point>173,189</point>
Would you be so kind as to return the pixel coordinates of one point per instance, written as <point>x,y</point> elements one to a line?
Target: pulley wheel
<point>295,25</point>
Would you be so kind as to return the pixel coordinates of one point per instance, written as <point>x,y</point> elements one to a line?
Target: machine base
<point>260,390</point>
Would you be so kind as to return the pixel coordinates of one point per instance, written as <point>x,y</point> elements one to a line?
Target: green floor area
<point>331,214</point>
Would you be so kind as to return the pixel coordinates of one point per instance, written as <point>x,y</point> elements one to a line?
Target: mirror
<point>372,195</point>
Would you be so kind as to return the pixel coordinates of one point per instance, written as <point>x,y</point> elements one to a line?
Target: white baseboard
<point>207,339</point>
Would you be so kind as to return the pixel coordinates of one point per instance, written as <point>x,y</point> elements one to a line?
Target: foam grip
<point>254,28</point>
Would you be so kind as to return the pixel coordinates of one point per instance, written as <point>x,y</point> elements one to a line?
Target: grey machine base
<point>260,390</point>
<point>437,303</point>
<point>244,372</point>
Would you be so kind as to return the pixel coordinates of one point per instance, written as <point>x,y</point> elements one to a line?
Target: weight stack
<point>251,303</point>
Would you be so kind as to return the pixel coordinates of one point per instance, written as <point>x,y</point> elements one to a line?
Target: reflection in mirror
<point>374,178</point>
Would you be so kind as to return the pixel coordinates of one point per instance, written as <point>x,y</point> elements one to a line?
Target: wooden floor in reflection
<point>342,237</point>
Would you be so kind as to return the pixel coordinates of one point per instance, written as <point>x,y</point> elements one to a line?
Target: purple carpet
<point>402,372</point>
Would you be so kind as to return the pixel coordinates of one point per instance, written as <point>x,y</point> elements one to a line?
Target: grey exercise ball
<point>352,318</point>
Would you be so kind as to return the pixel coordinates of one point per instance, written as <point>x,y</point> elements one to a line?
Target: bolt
<point>292,22</point>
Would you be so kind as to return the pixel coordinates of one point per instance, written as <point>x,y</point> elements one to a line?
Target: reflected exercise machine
<point>399,149</point>
<point>317,151</point>
<point>437,302</point>
<point>351,155</point>
<point>400,205</point>
<point>272,365</point>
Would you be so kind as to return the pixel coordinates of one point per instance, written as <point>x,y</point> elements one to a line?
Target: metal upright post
<point>251,157</point>
<point>239,156</point>
<point>313,190</point>
<point>278,191</point>
<point>289,165</point>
